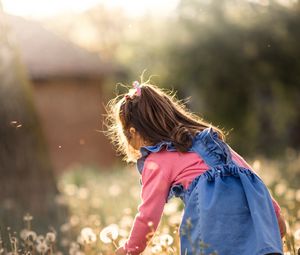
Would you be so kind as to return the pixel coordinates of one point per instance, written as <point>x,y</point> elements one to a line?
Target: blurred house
<point>68,93</point>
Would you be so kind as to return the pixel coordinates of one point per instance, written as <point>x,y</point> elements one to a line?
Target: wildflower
<point>42,247</point>
<point>23,234</point>
<point>50,237</point>
<point>40,239</point>
<point>155,240</point>
<point>31,235</point>
<point>175,219</point>
<point>88,236</point>
<point>170,208</point>
<point>156,249</point>
<point>75,249</point>
<point>297,234</point>
<point>28,217</point>
<point>110,233</point>
<point>166,240</point>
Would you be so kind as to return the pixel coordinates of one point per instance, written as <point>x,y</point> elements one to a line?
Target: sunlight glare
<point>48,8</point>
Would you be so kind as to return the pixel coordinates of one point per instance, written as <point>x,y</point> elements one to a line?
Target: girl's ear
<point>132,131</point>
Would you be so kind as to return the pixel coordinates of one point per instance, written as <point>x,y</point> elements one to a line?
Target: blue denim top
<point>253,221</point>
<point>205,143</point>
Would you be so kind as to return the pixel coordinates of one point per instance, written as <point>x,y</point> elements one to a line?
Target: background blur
<point>238,61</point>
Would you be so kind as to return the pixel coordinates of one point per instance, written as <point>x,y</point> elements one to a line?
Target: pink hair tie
<point>138,88</point>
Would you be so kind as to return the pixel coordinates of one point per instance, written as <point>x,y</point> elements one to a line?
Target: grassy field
<point>102,206</point>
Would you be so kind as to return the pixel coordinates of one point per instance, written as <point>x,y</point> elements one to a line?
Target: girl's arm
<point>155,189</point>
<point>242,162</point>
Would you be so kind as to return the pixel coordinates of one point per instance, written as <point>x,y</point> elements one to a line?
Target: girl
<point>227,206</point>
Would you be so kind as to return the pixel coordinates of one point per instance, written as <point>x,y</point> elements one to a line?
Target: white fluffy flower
<point>110,233</point>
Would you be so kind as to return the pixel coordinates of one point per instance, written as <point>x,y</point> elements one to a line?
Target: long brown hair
<point>156,115</point>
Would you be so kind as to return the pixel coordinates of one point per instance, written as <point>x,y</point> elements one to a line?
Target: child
<point>227,206</point>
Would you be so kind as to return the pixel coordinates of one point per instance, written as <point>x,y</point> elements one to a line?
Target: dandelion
<point>23,234</point>
<point>109,234</point>
<point>297,234</point>
<point>42,247</point>
<point>170,208</point>
<point>50,237</point>
<point>75,249</point>
<point>166,240</point>
<point>156,249</point>
<point>28,235</point>
<point>28,218</point>
<point>156,240</point>
<point>175,219</point>
<point>88,236</point>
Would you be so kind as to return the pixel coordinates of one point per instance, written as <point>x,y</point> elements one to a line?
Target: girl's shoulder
<point>174,160</point>
<point>167,156</point>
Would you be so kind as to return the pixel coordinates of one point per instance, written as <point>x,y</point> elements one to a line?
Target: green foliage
<point>239,62</point>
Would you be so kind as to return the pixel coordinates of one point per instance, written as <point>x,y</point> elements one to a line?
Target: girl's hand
<point>120,251</point>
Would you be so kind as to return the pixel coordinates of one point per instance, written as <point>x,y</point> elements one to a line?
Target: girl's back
<point>178,154</point>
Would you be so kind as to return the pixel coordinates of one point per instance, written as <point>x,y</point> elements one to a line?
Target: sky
<point>47,8</point>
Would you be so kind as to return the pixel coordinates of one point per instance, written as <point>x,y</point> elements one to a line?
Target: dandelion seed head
<point>156,249</point>
<point>166,240</point>
<point>297,234</point>
<point>109,233</point>
<point>28,217</point>
<point>40,239</point>
<point>42,247</point>
<point>88,236</point>
<point>51,237</point>
<point>170,208</point>
<point>31,235</point>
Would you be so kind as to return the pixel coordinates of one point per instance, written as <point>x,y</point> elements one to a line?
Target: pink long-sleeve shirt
<point>162,170</point>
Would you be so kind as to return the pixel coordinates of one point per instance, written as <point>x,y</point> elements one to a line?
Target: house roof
<point>48,55</point>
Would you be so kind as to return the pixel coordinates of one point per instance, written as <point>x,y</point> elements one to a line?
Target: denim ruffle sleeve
<point>146,150</point>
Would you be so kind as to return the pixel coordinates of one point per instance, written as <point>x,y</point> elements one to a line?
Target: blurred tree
<point>27,181</point>
<point>239,60</point>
